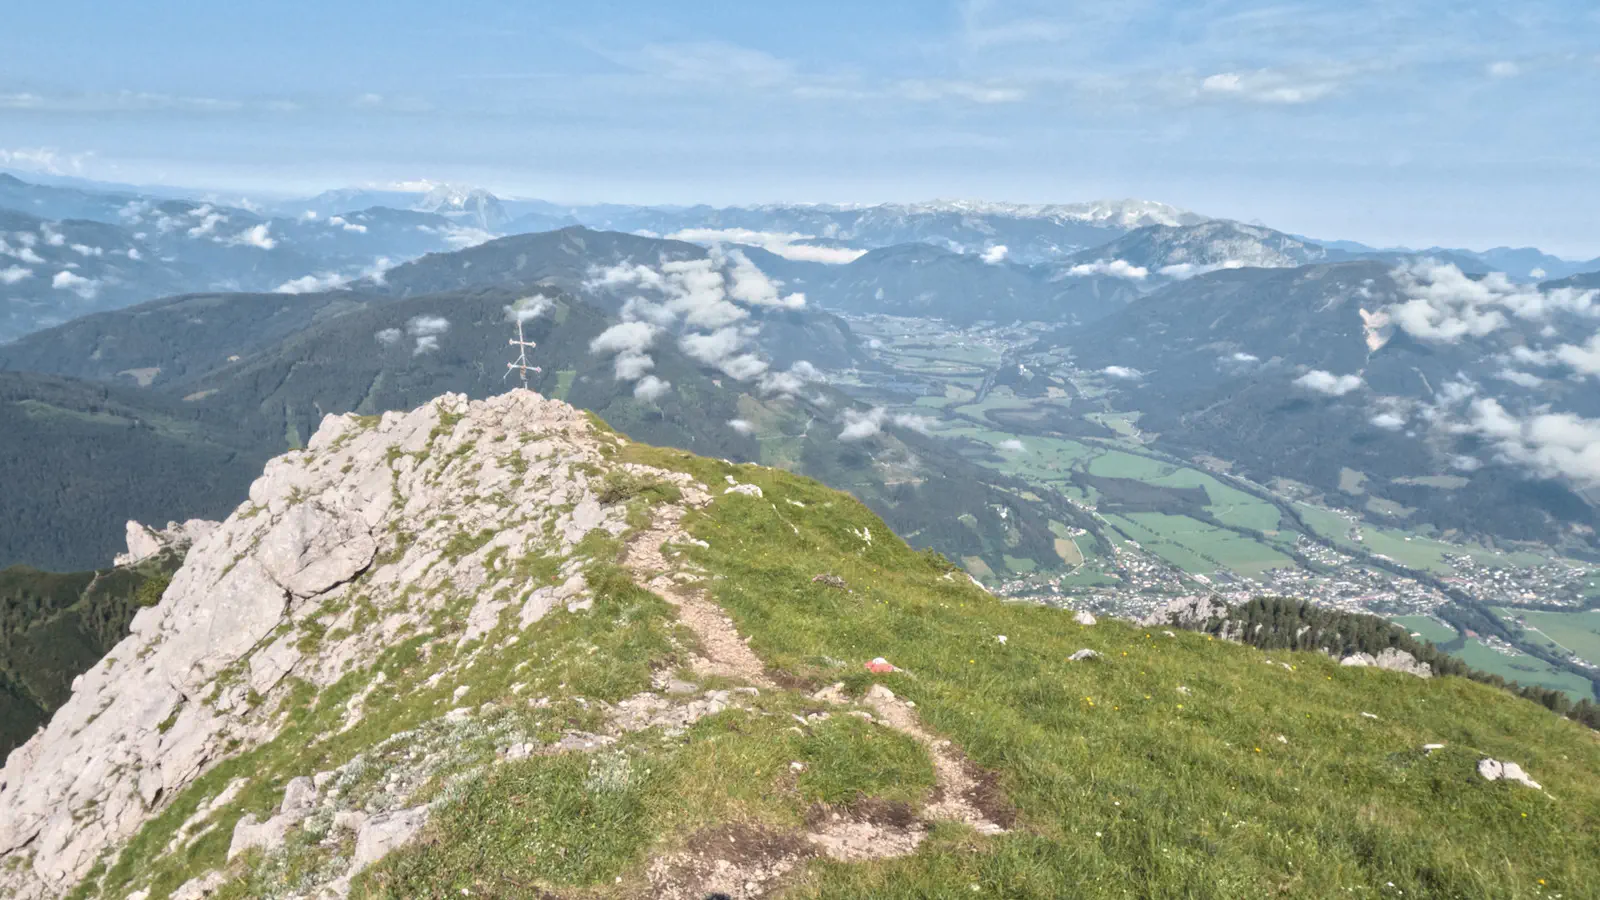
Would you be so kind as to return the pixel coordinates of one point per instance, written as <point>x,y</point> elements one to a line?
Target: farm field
<point>1523,669</point>
<point>1430,628</point>
<point>1575,631</point>
<point>1220,548</point>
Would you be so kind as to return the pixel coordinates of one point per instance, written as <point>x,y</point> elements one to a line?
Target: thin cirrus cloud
<point>1266,86</point>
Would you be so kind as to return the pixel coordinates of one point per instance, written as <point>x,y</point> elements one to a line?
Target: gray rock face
<point>1390,658</point>
<point>201,674</point>
<point>145,542</point>
<point>1496,770</point>
<point>1083,618</point>
<point>381,834</point>
<point>1187,612</point>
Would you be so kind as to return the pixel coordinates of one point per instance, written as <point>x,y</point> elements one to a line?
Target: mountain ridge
<point>495,646</point>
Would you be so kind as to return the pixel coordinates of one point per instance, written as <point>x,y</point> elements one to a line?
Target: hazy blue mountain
<point>105,251</point>
<point>1029,233</point>
<point>1182,251</point>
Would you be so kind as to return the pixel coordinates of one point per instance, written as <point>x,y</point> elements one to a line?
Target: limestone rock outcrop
<point>145,542</point>
<point>385,518</point>
<point>1391,658</point>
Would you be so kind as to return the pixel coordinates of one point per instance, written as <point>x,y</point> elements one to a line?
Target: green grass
<point>1124,786</point>
<point>1575,631</point>
<point>1522,669</point>
<point>1430,628</point>
<point>1116,464</point>
<point>1127,787</point>
<point>1226,548</point>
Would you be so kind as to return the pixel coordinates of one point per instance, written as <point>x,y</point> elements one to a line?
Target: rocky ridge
<point>451,531</point>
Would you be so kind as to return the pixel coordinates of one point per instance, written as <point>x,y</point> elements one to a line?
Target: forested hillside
<point>53,627</point>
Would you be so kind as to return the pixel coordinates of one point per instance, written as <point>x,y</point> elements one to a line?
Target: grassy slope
<point>1129,787</point>
<point>1125,787</point>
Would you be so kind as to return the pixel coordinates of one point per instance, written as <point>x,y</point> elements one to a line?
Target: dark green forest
<point>53,627</point>
<point>1284,623</point>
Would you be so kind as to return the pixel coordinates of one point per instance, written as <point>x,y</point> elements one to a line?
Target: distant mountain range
<point>1413,393</point>
<point>248,374</point>
<point>67,252</point>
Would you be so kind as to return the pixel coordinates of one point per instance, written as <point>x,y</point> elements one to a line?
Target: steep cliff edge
<point>495,649</point>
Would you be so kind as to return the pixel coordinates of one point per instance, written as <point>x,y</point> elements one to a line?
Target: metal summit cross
<point>521,365</point>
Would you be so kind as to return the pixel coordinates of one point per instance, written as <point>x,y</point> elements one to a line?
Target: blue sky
<point>1457,123</point>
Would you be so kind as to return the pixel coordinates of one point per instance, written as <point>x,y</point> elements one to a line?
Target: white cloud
<point>1583,358</point>
<point>629,341</point>
<point>14,274</point>
<point>255,236</point>
<point>86,250</point>
<point>1324,382</point>
<point>1181,271</point>
<point>208,220</point>
<point>71,281</point>
<point>924,91</point>
<point>1503,69</point>
<point>1549,444</point>
<point>311,284</point>
<point>743,426</point>
<point>1267,86</point>
<point>650,388</point>
<point>527,309</point>
<point>1389,421</point>
<point>1245,358</point>
<point>348,226</point>
<point>39,159</point>
<point>1443,305</point>
<point>713,294</point>
<point>632,366</point>
<point>859,424</point>
<point>994,255</point>
<point>1515,376</point>
<point>779,243</point>
<point>624,337</point>
<point>124,101</point>
<point>388,337</point>
<point>1116,268</point>
<point>715,347</point>
<point>1012,445</point>
<point>25,253</point>
<point>55,238</point>
<point>791,382</point>
<point>1122,372</point>
<point>744,367</point>
<point>752,287</point>
<point>427,329</point>
<point>458,237</point>
<point>134,254</point>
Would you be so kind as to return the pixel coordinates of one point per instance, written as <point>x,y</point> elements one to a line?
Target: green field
<point>1229,505</point>
<point>1523,669</point>
<point>1430,628</point>
<point>1575,631</point>
<point>1411,550</point>
<point>1227,549</point>
<point>1115,464</point>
